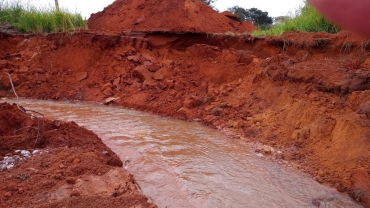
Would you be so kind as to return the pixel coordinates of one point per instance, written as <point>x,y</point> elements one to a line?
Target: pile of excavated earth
<point>57,164</point>
<point>304,94</point>
<point>165,16</point>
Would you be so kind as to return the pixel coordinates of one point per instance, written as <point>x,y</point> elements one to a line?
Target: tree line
<point>259,18</point>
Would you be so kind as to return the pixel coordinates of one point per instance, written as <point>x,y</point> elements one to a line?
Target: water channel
<point>181,164</point>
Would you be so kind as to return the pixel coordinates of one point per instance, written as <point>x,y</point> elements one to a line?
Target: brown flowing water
<point>182,164</point>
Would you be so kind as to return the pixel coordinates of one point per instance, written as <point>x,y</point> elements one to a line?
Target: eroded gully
<point>182,164</point>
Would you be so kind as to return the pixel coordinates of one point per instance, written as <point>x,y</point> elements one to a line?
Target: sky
<point>86,7</point>
<point>273,7</point>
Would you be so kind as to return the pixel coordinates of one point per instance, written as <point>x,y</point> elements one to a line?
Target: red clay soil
<point>305,94</point>
<point>175,16</point>
<point>72,167</point>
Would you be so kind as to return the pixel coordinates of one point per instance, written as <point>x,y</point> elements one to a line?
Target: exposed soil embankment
<point>305,94</point>
<point>56,164</point>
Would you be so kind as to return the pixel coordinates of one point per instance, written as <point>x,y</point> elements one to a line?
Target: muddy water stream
<point>182,164</point>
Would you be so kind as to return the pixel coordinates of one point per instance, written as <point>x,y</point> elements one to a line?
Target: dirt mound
<point>166,15</point>
<point>47,163</point>
<point>24,129</point>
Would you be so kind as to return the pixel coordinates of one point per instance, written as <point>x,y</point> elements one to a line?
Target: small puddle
<point>181,164</point>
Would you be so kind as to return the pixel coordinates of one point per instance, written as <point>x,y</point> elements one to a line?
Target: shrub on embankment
<point>38,20</point>
<point>307,19</point>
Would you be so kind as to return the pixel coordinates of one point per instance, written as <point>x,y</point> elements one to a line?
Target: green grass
<point>34,20</point>
<point>307,19</point>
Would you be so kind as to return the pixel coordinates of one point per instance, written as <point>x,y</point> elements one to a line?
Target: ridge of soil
<point>72,168</point>
<point>176,16</point>
<point>306,94</point>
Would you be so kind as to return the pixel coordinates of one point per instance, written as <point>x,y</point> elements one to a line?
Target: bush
<point>306,20</point>
<point>32,19</point>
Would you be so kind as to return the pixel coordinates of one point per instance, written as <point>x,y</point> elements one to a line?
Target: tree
<point>258,17</point>
<point>56,5</point>
<point>240,12</point>
<point>208,2</point>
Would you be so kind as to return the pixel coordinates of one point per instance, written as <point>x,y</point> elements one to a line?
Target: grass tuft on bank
<point>307,19</point>
<point>30,19</point>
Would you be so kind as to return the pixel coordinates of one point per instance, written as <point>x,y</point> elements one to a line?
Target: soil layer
<point>57,164</point>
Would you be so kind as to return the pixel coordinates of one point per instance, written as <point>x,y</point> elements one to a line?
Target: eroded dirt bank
<point>59,164</point>
<point>304,94</point>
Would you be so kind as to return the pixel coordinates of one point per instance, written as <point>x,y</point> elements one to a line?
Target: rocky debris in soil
<point>10,160</point>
